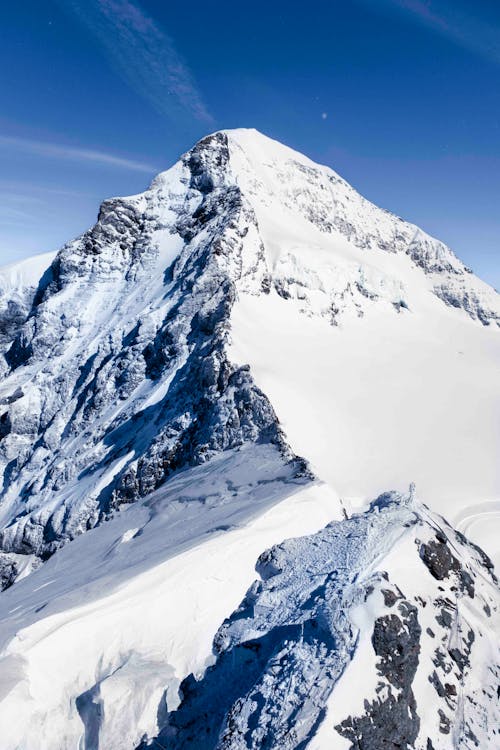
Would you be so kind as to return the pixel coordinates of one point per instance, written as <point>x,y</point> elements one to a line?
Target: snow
<point>381,399</point>
<point>374,405</point>
<point>135,618</point>
<point>24,273</point>
<point>480,522</point>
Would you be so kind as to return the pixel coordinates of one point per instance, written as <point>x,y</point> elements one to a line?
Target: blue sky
<point>401,97</point>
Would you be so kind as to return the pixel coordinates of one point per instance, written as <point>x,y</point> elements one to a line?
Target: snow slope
<point>161,381</point>
<point>372,404</point>
<point>130,608</point>
<point>380,397</point>
<point>18,285</point>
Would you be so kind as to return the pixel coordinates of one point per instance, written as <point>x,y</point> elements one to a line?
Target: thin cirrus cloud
<point>71,153</point>
<point>465,25</point>
<point>142,54</point>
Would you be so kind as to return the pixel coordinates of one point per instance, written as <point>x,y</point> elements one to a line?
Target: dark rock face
<point>209,157</point>
<point>8,571</point>
<point>11,320</point>
<point>209,404</point>
<point>441,563</point>
<point>392,721</point>
<point>396,641</point>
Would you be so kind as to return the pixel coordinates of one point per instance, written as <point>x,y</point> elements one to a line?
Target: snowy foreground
<point>201,398</point>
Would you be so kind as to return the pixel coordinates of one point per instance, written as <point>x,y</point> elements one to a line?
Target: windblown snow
<point>201,397</point>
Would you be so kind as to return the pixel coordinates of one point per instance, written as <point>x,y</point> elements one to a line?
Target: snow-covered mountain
<point>245,352</point>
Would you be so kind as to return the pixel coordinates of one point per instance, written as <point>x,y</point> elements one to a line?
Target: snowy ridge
<point>380,627</point>
<point>282,653</point>
<point>142,596</point>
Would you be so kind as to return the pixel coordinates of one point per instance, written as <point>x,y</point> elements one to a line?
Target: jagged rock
<point>288,646</point>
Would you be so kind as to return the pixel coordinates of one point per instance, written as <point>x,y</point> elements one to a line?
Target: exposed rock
<point>288,647</point>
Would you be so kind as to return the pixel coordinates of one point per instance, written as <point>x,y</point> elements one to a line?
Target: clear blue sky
<point>401,97</point>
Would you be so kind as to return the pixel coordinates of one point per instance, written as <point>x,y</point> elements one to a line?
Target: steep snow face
<point>122,373</point>
<point>373,378</point>
<point>374,629</point>
<point>18,285</point>
<point>95,641</point>
<point>394,595</point>
<point>293,196</point>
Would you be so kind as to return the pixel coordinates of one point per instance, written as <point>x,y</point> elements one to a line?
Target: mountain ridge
<point>212,384</point>
<point>192,243</point>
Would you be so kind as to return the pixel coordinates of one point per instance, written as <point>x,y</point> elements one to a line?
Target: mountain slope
<point>131,607</point>
<point>122,374</point>
<point>322,605</point>
<point>238,360</point>
<point>381,627</point>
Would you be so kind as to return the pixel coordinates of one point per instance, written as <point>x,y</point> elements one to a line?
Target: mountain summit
<point>242,354</point>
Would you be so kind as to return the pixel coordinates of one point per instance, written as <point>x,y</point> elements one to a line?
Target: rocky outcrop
<point>460,296</point>
<point>393,719</point>
<point>291,643</point>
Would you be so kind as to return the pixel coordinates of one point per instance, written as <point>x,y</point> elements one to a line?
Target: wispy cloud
<point>462,24</point>
<point>57,151</point>
<point>143,54</point>
<point>14,215</point>
<point>28,190</point>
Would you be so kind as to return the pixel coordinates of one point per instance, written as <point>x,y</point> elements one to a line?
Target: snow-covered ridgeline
<point>120,371</point>
<point>124,612</point>
<point>379,627</point>
<point>121,374</point>
<point>394,595</point>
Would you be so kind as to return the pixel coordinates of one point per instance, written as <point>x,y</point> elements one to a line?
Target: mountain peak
<point>146,302</point>
<point>220,374</point>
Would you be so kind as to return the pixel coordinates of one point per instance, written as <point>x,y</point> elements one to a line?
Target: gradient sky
<point>401,97</point>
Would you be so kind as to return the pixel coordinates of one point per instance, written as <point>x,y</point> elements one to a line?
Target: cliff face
<point>120,371</point>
